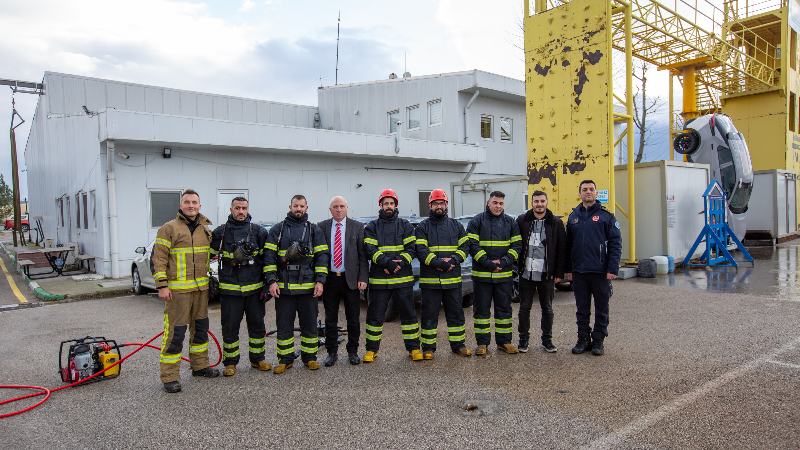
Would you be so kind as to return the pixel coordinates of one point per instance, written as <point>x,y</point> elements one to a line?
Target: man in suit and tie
<point>349,273</point>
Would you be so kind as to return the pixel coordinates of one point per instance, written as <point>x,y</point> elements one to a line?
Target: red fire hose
<point>46,392</point>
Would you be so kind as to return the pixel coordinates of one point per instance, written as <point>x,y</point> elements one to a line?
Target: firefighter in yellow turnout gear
<point>180,259</point>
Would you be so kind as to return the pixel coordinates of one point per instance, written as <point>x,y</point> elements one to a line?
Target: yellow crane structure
<point>726,59</point>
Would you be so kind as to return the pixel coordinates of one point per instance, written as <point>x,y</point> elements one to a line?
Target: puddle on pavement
<point>774,274</point>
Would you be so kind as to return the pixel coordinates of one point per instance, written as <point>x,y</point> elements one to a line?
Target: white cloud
<point>485,40</point>
<point>247,5</point>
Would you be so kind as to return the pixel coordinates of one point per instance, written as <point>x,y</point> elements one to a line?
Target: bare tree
<point>649,105</point>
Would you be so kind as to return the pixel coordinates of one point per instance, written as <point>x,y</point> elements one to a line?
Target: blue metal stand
<point>716,231</point>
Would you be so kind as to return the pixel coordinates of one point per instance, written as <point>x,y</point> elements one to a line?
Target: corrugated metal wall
<point>68,94</point>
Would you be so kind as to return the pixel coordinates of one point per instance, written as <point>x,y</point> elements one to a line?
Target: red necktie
<point>337,246</point>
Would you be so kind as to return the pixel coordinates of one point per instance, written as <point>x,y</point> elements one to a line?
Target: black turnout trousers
<point>287,307</point>
<point>376,311</point>
<point>233,308</point>
<point>432,299</point>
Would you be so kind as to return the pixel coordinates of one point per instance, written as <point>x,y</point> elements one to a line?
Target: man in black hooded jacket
<point>541,264</point>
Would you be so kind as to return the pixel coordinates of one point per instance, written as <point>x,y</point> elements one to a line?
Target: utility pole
<point>26,88</point>
<point>14,174</point>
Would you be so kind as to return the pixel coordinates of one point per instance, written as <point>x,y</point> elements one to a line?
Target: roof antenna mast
<point>337,47</point>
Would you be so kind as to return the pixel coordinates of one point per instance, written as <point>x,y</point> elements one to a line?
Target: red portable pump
<point>88,356</point>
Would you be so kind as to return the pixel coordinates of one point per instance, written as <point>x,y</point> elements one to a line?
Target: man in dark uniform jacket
<point>594,247</point>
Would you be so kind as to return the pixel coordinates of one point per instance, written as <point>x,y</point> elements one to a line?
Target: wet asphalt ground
<point>687,365</point>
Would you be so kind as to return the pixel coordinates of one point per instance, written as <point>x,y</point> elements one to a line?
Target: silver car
<point>142,273</point>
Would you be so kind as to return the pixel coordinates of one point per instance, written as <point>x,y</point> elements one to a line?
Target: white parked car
<point>142,273</point>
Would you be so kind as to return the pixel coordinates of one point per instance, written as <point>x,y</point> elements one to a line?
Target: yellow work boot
<point>261,365</point>
<point>229,371</point>
<point>463,351</point>
<point>312,365</point>
<point>280,368</point>
<point>508,348</point>
<point>415,355</point>
<point>480,351</point>
<point>370,356</point>
<point>427,354</point>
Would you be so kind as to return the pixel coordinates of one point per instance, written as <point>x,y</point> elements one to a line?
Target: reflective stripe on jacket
<point>243,279</point>
<point>493,238</point>
<point>180,257</point>
<point>390,238</point>
<point>312,268</point>
<point>439,238</point>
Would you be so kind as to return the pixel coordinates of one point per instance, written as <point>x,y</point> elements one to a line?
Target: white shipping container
<point>669,206</point>
<point>773,203</point>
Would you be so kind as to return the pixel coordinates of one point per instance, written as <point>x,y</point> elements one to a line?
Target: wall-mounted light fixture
<point>167,153</point>
<point>123,155</point>
<point>358,185</point>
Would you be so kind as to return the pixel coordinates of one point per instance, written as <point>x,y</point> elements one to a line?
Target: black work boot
<point>597,343</point>
<point>584,343</point>
<point>172,387</point>
<point>208,372</point>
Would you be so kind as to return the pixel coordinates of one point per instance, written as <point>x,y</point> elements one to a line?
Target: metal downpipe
<point>466,115</point>
<point>112,211</point>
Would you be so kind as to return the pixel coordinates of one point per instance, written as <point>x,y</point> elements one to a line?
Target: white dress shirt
<point>333,243</point>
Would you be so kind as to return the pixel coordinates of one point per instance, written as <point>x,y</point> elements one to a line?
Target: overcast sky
<point>266,49</point>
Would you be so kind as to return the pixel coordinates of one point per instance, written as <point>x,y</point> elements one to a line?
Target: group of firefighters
<point>297,262</point>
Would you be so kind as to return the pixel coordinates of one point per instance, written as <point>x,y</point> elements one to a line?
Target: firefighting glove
<point>503,263</point>
<point>443,265</point>
<point>391,266</point>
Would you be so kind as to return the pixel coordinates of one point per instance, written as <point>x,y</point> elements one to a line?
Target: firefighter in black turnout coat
<point>296,257</point>
<point>495,245</point>
<point>442,245</point>
<point>239,246</point>
<point>390,246</point>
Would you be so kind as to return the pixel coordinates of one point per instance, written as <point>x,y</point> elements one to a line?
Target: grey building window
<point>505,129</point>
<point>93,199</point>
<point>394,117</point>
<point>435,112</point>
<point>486,126</point>
<point>163,207</point>
<point>85,211</point>
<point>60,212</point>
<point>77,211</point>
<point>413,117</point>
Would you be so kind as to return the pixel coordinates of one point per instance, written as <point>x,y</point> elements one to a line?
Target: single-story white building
<point>107,160</point>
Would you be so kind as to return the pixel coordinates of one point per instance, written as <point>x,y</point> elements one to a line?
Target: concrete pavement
<point>684,368</point>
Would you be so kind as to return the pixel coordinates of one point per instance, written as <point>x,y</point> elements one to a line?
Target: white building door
<point>224,199</point>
